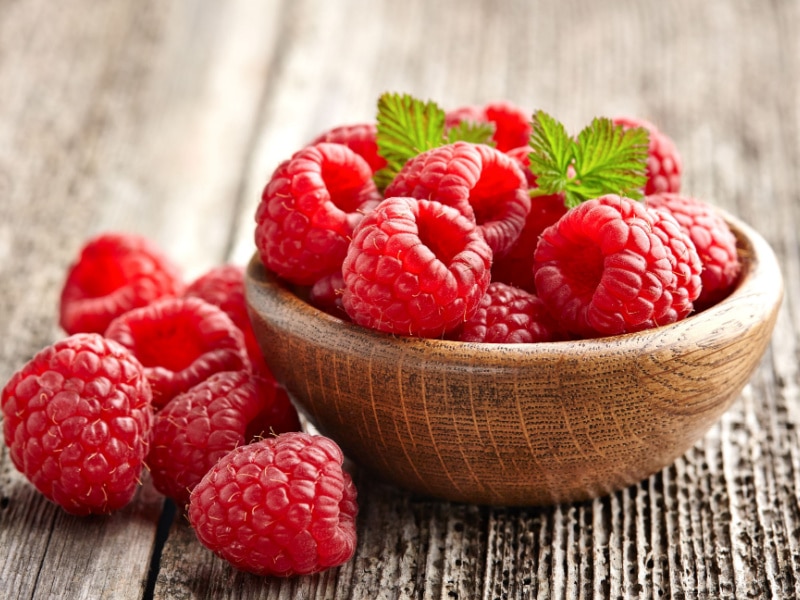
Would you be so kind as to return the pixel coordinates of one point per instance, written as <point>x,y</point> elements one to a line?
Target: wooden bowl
<point>524,424</point>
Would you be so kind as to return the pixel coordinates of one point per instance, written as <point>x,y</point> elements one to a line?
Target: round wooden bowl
<point>524,424</point>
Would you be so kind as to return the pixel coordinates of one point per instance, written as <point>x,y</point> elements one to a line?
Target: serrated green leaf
<point>605,159</point>
<point>406,127</point>
<point>552,151</point>
<point>475,133</point>
<point>611,159</point>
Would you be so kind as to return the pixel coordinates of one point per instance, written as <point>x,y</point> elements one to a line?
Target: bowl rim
<point>760,276</point>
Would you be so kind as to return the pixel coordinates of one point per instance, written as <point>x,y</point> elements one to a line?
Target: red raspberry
<point>308,211</point>
<point>326,295</point>
<point>509,315</point>
<point>180,342</point>
<point>512,124</point>
<point>360,138</point>
<point>223,286</point>
<point>282,506</point>
<point>612,266</point>
<point>483,183</point>
<point>77,420</point>
<point>663,161</point>
<point>198,427</point>
<point>714,240</point>
<point>114,273</point>
<point>415,267</point>
<point>277,410</point>
<point>516,267</point>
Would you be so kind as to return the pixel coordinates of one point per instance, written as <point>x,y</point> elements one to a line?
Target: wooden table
<point>166,118</point>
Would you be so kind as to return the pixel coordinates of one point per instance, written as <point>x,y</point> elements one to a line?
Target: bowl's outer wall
<point>525,424</point>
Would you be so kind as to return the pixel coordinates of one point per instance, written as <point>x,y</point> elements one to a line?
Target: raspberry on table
<point>415,267</point>
<point>509,315</point>
<point>77,420</point>
<point>282,506</point>
<point>198,427</point>
<point>482,182</point>
<point>223,286</point>
<point>512,124</point>
<point>180,342</point>
<point>714,240</point>
<point>664,166</point>
<point>308,211</point>
<point>612,266</point>
<point>114,273</point>
<point>360,137</point>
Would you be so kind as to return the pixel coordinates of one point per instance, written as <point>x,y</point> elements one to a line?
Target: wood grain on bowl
<point>519,424</point>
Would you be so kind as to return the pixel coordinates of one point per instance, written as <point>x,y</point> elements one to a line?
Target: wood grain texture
<point>166,118</point>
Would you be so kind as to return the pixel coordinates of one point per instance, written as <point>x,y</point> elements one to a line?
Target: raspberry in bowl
<point>519,424</point>
<point>439,367</point>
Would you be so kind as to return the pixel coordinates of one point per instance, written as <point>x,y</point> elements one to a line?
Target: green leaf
<point>605,159</point>
<point>610,159</point>
<point>406,127</point>
<point>475,133</point>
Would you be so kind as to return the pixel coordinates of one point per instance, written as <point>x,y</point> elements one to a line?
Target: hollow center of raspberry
<point>440,235</point>
<point>174,346</point>
<point>492,193</point>
<point>583,269</point>
<point>105,277</point>
<point>346,187</point>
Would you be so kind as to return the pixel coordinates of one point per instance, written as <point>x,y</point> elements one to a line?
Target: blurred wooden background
<point>167,117</point>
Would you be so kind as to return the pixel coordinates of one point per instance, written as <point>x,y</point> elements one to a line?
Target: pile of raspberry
<point>165,379</point>
<point>461,245</point>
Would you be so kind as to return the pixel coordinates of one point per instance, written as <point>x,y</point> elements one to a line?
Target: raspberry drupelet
<point>415,267</point>
<point>114,273</point>
<point>482,182</point>
<point>308,211</point>
<point>77,420</point>
<point>282,506</point>
<point>612,266</point>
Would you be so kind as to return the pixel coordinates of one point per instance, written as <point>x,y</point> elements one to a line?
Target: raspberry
<point>415,267</point>
<point>114,273</point>
<point>198,427</point>
<point>223,286</point>
<point>180,342</point>
<point>663,161</point>
<point>326,295</point>
<point>483,183</point>
<point>512,125</point>
<point>281,506</point>
<point>308,211</point>
<point>509,315</point>
<point>715,243</point>
<point>277,411</point>
<point>516,267</point>
<point>612,266</point>
<point>360,138</point>
<point>77,421</point>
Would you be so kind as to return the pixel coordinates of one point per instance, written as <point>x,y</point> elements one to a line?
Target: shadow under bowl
<point>519,424</point>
